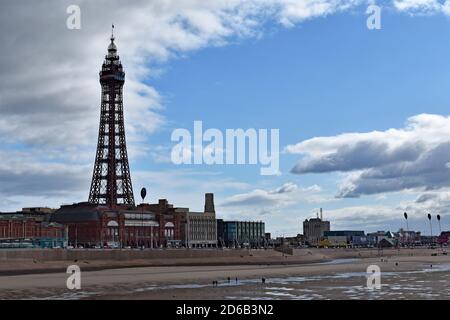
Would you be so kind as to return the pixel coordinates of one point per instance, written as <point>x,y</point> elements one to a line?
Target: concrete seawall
<point>201,254</point>
<point>123,255</point>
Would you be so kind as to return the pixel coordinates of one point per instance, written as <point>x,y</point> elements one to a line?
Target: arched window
<point>112,224</point>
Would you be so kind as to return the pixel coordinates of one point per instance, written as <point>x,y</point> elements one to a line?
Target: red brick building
<point>99,226</point>
<point>31,227</point>
<point>28,228</point>
<point>147,225</point>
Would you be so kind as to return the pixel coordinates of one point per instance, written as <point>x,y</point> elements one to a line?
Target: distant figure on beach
<point>229,279</point>
<point>263,280</point>
<point>431,266</point>
<point>236,280</point>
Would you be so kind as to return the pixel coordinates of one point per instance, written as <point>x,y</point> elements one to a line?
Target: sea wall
<point>123,255</point>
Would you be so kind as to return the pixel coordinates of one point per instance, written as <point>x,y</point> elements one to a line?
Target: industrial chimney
<point>209,202</point>
<point>321,214</point>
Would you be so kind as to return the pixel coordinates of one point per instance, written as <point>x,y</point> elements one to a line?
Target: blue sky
<point>318,77</point>
<point>321,78</point>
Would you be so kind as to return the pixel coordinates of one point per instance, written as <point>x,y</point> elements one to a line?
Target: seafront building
<point>408,238</point>
<point>314,229</point>
<point>346,237</point>
<point>91,226</point>
<point>30,228</point>
<point>199,229</point>
<point>237,234</point>
<point>145,226</point>
<point>385,238</point>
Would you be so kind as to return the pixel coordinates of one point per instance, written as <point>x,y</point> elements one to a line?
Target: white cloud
<point>415,6</point>
<point>270,201</point>
<point>413,157</point>
<point>294,11</point>
<point>422,7</point>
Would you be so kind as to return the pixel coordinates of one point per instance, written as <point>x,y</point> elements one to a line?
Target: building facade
<point>314,229</point>
<point>169,223</point>
<point>145,226</point>
<point>234,234</point>
<point>199,229</point>
<point>382,237</point>
<point>407,238</point>
<point>99,226</point>
<point>30,229</point>
<point>346,237</point>
<point>296,241</point>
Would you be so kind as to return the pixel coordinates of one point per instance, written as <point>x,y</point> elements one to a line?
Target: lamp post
<point>431,229</point>
<point>439,222</point>
<point>440,230</point>
<point>143,195</point>
<point>407,227</point>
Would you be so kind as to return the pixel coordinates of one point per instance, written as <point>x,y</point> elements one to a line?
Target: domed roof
<point>112,45</point>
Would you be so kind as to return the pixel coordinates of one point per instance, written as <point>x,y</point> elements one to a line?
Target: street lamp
<point>143,195</point>
<point>407,227</point>
<point>440,230</point>
<point>431,229</point>
<point>439,222</point>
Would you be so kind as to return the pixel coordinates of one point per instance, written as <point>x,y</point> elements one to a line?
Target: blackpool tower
<point>111,181</point>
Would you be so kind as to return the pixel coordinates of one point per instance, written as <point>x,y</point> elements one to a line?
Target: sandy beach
<point>308,274</point>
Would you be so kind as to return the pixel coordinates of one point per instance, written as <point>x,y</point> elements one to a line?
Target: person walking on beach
<point>229,279</point>
<point>236,280</point>
<point>263,280</point>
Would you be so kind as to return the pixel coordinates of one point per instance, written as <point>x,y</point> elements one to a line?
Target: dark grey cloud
<point>282,196</point>
<point>52,183</point>
<point>21,174</point>
<point>286,188</point>
<point>414,157</point>
<point>254,198</point>
<point>361,155</point>
<point>426,197</point>
<point>429,172</point>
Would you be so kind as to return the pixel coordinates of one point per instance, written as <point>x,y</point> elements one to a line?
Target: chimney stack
<point>209,202</point>
<point>321,214</point>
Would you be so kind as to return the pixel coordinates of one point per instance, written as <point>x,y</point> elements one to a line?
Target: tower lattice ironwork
<point>111,181</point>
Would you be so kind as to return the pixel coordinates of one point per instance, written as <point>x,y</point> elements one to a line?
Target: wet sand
<point>403,277</point>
